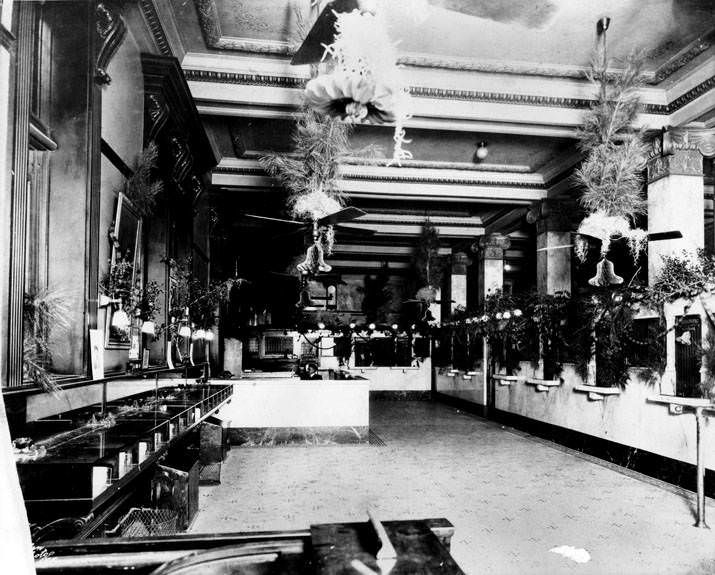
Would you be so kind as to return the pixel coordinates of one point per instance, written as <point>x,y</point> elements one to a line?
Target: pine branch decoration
<point>319,142</point>
<point>143,188</point>
<point>611,175</point>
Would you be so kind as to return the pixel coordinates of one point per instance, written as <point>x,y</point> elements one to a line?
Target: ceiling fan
<point>314,263</point>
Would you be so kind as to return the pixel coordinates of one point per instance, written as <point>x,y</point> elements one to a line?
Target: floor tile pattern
<point>511,498</point>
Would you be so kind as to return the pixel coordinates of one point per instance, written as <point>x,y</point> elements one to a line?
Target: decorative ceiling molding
<point>211,76</point>
<point>154,24</point>
<point>215,77</point>
<point>685,56</point>
<point>413,164</point>
<point>214,38</point>
<point>210,25</point>
<point>403,174</point>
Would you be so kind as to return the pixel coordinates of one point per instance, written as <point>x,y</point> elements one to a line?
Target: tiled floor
<point>510,497</point>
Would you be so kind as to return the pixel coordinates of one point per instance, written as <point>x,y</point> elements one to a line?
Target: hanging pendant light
<point>605,275</point>
<point>149,328</point>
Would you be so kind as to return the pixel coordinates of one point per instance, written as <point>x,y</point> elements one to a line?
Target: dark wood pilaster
<point>75,177</point>
<point>18,211</point>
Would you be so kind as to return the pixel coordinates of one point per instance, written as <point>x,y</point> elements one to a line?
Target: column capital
<point>492,246</point>
<point>673,140</point>
<point>553,215</point>
<point>680,151</point>
<point>460,261</point>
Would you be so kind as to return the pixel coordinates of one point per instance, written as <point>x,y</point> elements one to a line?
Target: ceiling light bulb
<point>372,326</point>
<point>353,325</point>
<point>321,325</point>
<point>394,326</point>
<point>481,152</point>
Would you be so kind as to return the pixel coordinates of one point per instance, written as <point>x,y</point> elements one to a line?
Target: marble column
<point>553,241</point>
<point>458,283</point>
<point>491,249</point>
<point>676,190</point>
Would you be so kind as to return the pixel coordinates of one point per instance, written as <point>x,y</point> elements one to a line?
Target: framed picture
<point>127,244</point>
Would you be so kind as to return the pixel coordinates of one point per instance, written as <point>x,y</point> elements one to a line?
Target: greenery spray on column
<point>611,174</point>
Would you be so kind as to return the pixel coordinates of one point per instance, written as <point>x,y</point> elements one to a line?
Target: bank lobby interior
<point>357,286</point>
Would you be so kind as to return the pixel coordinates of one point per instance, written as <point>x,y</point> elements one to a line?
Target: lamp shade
<point>120,319</point>
<point>185,331</point>
<point>148,327</point>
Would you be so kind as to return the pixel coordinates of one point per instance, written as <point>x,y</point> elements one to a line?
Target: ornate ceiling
<point>507,72</point>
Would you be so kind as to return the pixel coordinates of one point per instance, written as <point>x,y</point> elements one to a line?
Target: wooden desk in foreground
<point>276,409</point>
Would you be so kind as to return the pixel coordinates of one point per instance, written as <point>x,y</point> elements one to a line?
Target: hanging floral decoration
<point>428,264</point>
<point>611,175</point>
<point>310,174</point>
<point>364,85</point>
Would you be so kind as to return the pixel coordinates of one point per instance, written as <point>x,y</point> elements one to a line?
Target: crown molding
<point>427,92</point>
<point>153,22</point>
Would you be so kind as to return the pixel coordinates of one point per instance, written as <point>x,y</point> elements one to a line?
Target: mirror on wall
<point>124,274</point>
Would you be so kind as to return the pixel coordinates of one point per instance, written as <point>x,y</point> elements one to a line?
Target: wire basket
<point>146,522</point>
<point>210,474</point>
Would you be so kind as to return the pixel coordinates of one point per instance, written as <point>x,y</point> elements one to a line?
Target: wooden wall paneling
<point>75,117</point>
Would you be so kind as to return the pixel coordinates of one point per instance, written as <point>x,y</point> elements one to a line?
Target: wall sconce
<point>185,329</point>
<point>481,152</point>
<point>105,300</point>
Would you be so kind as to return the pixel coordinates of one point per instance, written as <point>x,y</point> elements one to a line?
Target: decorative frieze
<point>680,163</point>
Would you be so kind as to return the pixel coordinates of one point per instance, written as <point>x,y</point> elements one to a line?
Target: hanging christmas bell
<point>605,275</point>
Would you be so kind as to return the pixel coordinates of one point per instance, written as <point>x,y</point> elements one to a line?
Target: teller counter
<point>273,409</point>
